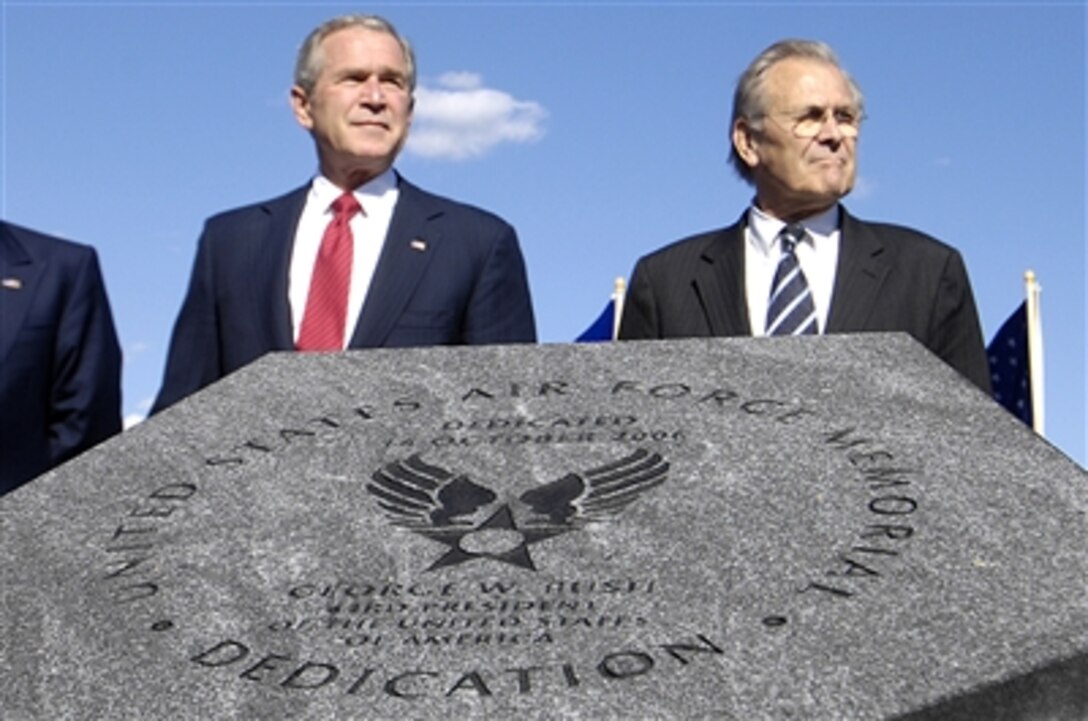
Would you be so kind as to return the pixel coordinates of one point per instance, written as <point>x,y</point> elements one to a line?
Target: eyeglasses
<point>809,123</point>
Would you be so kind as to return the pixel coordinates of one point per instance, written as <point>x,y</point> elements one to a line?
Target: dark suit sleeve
<point>85,403</point>
<point>954,331</point>
<point>193,359</point>
<point>639,319</point>
<point>500,309</point>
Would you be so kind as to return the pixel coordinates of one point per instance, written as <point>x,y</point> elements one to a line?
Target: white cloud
<point>463,80</point>
<point>863,187</point>
<point>138,416</point>
<point>461,118</point>
<point>138,347</point>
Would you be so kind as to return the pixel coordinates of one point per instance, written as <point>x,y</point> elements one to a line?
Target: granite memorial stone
<point>821,528</point>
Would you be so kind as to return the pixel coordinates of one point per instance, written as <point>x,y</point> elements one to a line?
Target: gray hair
<point>749,100</point>
<point>308,62</point>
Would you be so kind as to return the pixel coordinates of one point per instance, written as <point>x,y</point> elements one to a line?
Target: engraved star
<point>497,538</point>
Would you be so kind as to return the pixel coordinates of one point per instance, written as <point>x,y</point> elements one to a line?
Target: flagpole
<point>619,290</point>
<point>1035,352</point>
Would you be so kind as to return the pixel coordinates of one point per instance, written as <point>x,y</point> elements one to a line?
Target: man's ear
<point>300,106</point>
<point>746,142</point>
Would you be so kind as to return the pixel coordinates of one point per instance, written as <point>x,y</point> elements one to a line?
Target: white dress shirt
<point>817,254</point>
<point>368,230</point>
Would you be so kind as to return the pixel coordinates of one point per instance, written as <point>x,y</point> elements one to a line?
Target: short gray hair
<point>308,62</point>
<point>749,101</point>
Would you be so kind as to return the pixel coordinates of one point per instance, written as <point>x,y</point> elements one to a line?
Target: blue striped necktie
<point>790,310</point>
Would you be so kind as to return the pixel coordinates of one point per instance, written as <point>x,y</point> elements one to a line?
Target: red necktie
<point>327,302</point>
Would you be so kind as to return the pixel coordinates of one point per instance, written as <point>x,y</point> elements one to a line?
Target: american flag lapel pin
<point>417,244</point>
<point>12,283</point>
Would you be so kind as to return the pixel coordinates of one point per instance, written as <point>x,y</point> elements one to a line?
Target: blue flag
<point>601,330</point>
<point>1009,371</point>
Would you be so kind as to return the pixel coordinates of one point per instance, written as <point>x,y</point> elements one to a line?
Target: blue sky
<point>598,129</point>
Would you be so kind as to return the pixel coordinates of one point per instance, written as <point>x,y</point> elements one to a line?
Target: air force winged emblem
<point>447,508</point>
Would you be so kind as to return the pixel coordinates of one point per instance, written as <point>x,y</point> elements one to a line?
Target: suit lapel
<point>19,279</point>
<point>269,267</point>
<point>858,278</point>
<point>407,251</point>
<point>719,282</point>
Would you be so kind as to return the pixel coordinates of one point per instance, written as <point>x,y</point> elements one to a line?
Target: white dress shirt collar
<point>323,192</point>
<point>763,229</point>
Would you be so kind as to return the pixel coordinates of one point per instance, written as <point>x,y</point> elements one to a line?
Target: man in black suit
<point>796,119</point>
<point>60,363</point>
<point>418,270</point>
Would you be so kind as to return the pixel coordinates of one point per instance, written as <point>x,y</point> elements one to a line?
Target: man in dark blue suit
<point>424,270</point>
<point>60,363</point>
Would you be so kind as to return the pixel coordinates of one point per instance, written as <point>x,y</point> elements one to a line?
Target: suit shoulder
<point>433,204</point>
<point>43,246</point>
<point>259,209</point>
<point>684,250</point>
<point>904,239</point>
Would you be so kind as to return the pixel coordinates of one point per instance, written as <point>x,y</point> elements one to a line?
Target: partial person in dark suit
<point>419,269</point>
<point>796,119</point>
<point>60,363</point>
